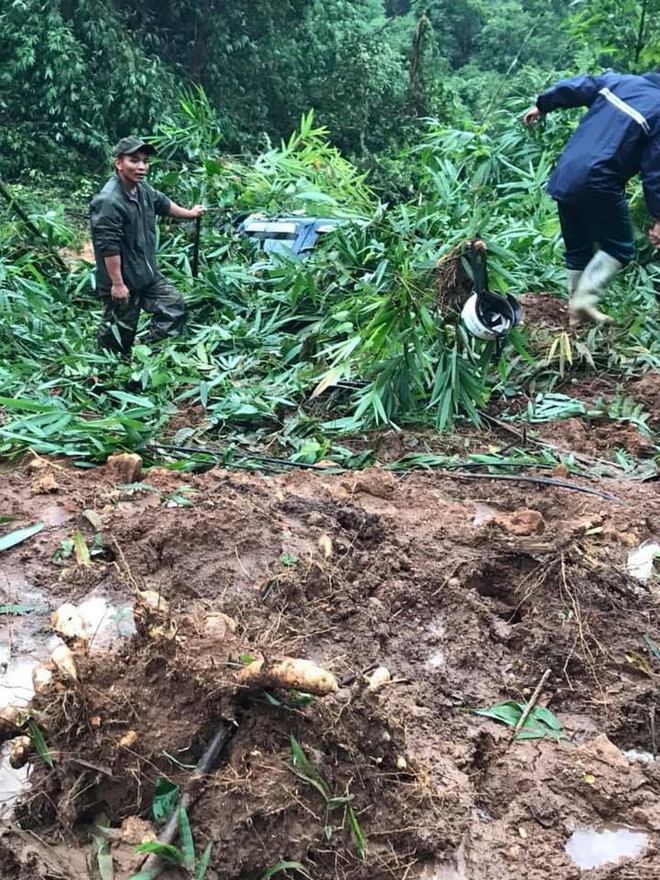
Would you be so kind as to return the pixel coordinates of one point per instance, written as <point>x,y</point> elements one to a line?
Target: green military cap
<point>131,144</point>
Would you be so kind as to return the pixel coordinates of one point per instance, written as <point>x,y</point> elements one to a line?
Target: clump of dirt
<point>597,435</point>
<point>543,311</point>
<point>452,281</point>
<point>466,591</point>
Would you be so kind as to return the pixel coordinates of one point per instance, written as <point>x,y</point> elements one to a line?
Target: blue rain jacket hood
<point>617,138</point>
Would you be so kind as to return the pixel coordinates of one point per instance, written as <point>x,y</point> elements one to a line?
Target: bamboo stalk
<point>195,256</point>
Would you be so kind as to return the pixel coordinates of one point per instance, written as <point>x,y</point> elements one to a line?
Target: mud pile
<point>466,591</point>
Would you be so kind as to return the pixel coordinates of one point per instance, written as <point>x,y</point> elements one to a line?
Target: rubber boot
<point>573,279</point>
<point>600,270</point>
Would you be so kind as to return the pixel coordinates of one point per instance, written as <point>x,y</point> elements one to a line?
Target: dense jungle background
<point>402,117</point>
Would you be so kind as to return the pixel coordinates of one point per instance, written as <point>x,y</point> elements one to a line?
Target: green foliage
<point>302,767</point>
<point>39,743</point>
<point>361,333</point>
<point>71,79</point>
<point>541,723</point>
<point>182,856</point>
<point>621,33</point>
<point>104,859</point>
<point>166,796</point>
<point>371,69</point>
<point>20,610</point>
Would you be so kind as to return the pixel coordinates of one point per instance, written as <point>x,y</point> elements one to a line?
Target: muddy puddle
<point>465,598</point>
<point>28,641</point>
<point>594,847</point>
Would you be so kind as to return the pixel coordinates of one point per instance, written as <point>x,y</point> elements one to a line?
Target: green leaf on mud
<point>356,831</point>
<point>541,722</point>
<point>13,538</point>
<point>21,609</point>
<point>164,851</point>
<point>37,738</point>
<point>507,713</point>
<point>151,874</point>
<point>104,859</point>
<point>187,844</point>
<point>288,559</point>
<point>280,867</point>
<point>166,796</point>
<point>204,862</point>
<point>651,645</point>
<point>80,548</point>
<point>303,767</point>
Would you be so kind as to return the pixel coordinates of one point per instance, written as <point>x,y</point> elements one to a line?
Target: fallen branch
<point>530,705</point>
<point>546,481</point>
<point>153,864</point>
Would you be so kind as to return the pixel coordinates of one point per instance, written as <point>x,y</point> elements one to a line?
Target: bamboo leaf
<point>203,865</point>
<point>37,738</point>
<point>80,548</point>
<point>104,859</point>
<point>187,844</point>
<point>166,795</point>
<point>20,535</point>
<point>165,851</point>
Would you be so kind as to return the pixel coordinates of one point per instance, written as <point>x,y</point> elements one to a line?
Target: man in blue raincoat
<point>618,137</point>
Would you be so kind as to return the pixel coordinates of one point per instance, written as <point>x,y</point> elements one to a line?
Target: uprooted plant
<point>302,767</point>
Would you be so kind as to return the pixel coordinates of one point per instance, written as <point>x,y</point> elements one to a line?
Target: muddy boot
<point>572,280</point>
<point>600,270</point>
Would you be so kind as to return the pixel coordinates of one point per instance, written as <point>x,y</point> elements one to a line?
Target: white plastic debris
<point>641,559</point>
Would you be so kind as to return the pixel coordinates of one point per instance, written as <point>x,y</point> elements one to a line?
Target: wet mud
<point>467,592</point>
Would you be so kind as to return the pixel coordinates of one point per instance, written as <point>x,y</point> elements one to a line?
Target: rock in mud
<point>218,625</point>
<point>125,467</point>
<point>134,831</point>
<point>153,601</point>
<point>128,740</point>
<point>604,750</point>
<point>8,722</point>
<point>44,484</point>
<point>63,659</point>
<point>521,523</point>
<point>42,677</point>
<point>379,678</point>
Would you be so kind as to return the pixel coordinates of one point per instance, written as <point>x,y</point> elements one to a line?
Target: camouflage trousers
<point>119,321</point>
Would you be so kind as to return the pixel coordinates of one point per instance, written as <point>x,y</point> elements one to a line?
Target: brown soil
<point>544,311</point>
<point>647,391</point>
<point>467,591</point>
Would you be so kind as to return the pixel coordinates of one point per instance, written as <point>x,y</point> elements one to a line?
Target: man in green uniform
<point>123,221</point>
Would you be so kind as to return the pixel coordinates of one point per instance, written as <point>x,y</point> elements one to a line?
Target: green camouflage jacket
<point>125,224</point>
